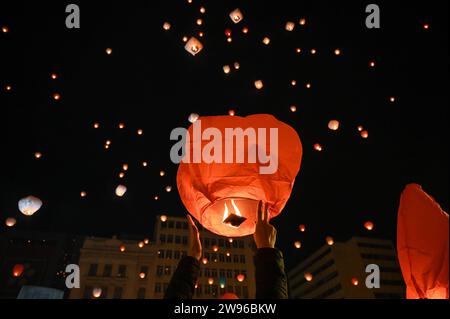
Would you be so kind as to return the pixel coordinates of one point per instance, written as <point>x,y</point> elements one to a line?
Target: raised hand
<point>195,245</point>
<point>265,234</point>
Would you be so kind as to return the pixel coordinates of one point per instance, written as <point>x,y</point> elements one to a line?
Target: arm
<point>182,284</point>
<point>270,277</point>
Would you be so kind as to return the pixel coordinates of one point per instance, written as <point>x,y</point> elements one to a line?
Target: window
<point>162,238</point>
<point>222,273</point>
<point>104,293</point>
<point>185,240</point>
<point>178,225</point>
<point>141,293</point>
<point>144,269</point>
<point>229,273</point>
<point>206,242</point>
<point>214,273</point>
<point>163,225</point>
<point>242,259</point>
<point>159,270</point>
<point>169,239</point>
<point>221,243</point>
<point>235,244</point>
<point>237,290</point>
<point>177,240</point>
<point>122,272</point>
<point>208,256</point>
<point>183,253</point>
<point>235,259</point>
<point>93,270</point>
<point>241,244</point>
<point>207,272</point>
<point>228,259</point>
<point>118,293</point>
<point>165,286</point>
<point>245,292</point>
<point>171,224</point>
<point>167,270</point>
<point>230,289</point>
<point>107,271</point>
<point>161,254</point>
<point>177,254</point>
<point>185,225</point>
<point>221,258</point>
<point>87,292</point>
<point>168,254</point>
<point>157,287</point>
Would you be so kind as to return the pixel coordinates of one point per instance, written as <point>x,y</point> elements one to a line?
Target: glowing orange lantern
<point>226,69</point>
<point>5,29</point>
<point>215,248</point>
<point>121,190</point>
<point>146,241</point>
<point>266,41</point>
<point>240,277</point>
<point>368,225</point>
<point>364,134</point>
<point>168,189</point>
<point>259,84</point>
<point>108,51</point>
<point>142,275</point>
<point>298,244</point>
<point>122,248</point>
<point>293,108</point>
<point>422,245</point>
<point>330,240</point>
<point>318,147</point>
<point>302,228</point>
<point>236,16</point>
<point>355,281</point>
<point>223,195</point>
<point>229,295</point>
<point>141,244</point>
<point>38,155</point>
<point>211,281</point>
<point>29,205</point>
<point>193,46</point>
<point>290,26</point>
<point>308,277</point>
<point>333,125</point>
<point>167,26</point>
<point>204,260</point>
<point>18,270</point>
<point>193,117</point>
<point>163,218</point>
<point>231,112</point>
<point>97,292</point>
<point>10,222</point>
<point>302,21</point>
<point>228,32</point>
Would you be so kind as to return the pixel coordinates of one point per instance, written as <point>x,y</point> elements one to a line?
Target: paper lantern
<point>215,248</point>
<point>145,164</point>
<point>308,277</point>
<point>204,260</point>
<point>121,190</point>
<point>193,117</point>
<point>360,128</point>
<point>122,248</point>
<point>97,292</point>
<point>226,69</point>
<point>302,21</point>
<point>163,218</point>
<point>372,64</point>
<point>364,134</point>
<point>168,189</point>
<point>146,241</point>
<point>337,52</point>
<point>266,41</point>
<point>211,281</point>
<point>10,222</point>
<point>83,194</point>
<point>108,51</point>
<point>245,30</point>
<point>140,132</point>
<point>302,228</point>
<point>223,196</point>
<point>236,65</point>
<point>141,244</point>
<point>329,240</point>
<point>202,10</point>
<point>240,277</point>
<point>231,112</point>
<point>5,29</point>
<point>318,147</point>
<point>293,108</point>
<point>355,281</point>
<point>193,46</point>
<point>259,84</point>
<point>333,125</point>
<point>29,205</point>
<point>162,173</point>
<point>38,155</point>
<point>290,26</point>
<point>18,270</point>
<point>142,275</point>
<point>423,245</point>
<point>236,16</point>
<point>298,244</point>
<point>368,225</point>
<point>121,175</point>
<point>96,125</point>
<point>228,33</point>
<point>199,22</point>
<point>229,296</point>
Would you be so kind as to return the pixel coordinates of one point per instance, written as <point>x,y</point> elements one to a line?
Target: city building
<point>338,270</point>
<point>130,269</point>
<point>35,259</point>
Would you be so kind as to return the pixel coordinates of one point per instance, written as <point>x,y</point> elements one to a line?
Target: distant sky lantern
<point>290,26</point>
<point>83,194</point>
<point>333,125</point>
<point>10,222</point>
<point>108,142</point>
<point>140,132</point>
<point>121,175</point>
<point>201,34</point>
<point>142,275</point>
<point>57,96</point>
<point>365,134</point>
<point>168,189</point>
<point>199,21</point>
<point>318,147</point>
<point>141,244</point>
<point>96,125</point>
<point>202,10</point>
<point>293,108</point>
<point>229,39</point>
<point>313,51</point>
<point>121,190</point>
<point>426,26</point>
<point>355,281</point>
<point>222,286</point>
<point>236,65</point>
<point>122,248</point>
<point>372,64</point>
<point>298,50</point>
<point>156,197</point>
<point>226,69</point>
<point>125,167</point>
<point>163,218</point>
<point>108,51</point>
<point>337,52</point>
<point>266,40</point>
<point>298,244</point>
<point>293,82</point>
<point>392,99</point>
<point>162,173</point>
<point>54,76</point>
<point>5,29</point>
<point>225,202</point>
<point>146,241</point>
<point>204,260</point>
<point>29,205</point>
<point>236,16</point>
<point>145,164</point>
<point>185,39</point>
<point>259,84</point>
<point>167,26</point>
<point>121,126</point>
<point>302,21</point>
<point>211,281</point>
<point>18,270</point>
<point>308,85</point>
<point>368,225</point>
<point>215,248</point>
<point>240,277</point>
<point>329,240</point>
<point>193,117</point>
<point>360,128</point>
<point>97,292</point>
<point>193,46</point>
<point>302,228</point>
<point>230,240</point>
<point>228,32</point>
<point>231,112</point>
<point>245,30</point>
<point>8,88</point>
<point>308,277</point>
<point>228,254</point>
<point>38,155</point>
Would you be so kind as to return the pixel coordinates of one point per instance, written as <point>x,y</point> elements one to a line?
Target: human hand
<point>195,245</point>
<point>265,234</point>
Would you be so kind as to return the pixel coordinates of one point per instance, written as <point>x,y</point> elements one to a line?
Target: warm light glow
<point>226,69</point>
<point>298,244</point>
<point>240,277</point>
<point>8,88</point>
<point>236,16</point>
<point>167,26</point>
<point>163,218</point>
<point>245,30</point>
<point>360,128</point>
<point>125,167</point>
<point>222,286</point>
<point>199,21</point>
<point>18,270</point>
<point>193,46</point>
<point>293,108</point>
<point>121,190</point>
<point>392,99</point>
<point>293,82</point>
<point>302,21</point>
<point>426,26</point>
<point>230,240</point>
<point>313,51</point>
<point>56,96</point>
<point>236,65</point>
<point>215,248</point>
<point>185,39</point>
<point>228,254</point>
<point>96,125</point>
<point>290,26</point>
<point>122,248</point>
<point>142,275</point>
<point>83,194</point>
<point>333,125</point>
<point>202,10</point>
<point>10,222</point>
<point>365,134</point>
<point>266,41</point>
<point>121,126</point>
<point>259,84</point>
<point>298,50</point>
<point>308,85</point>
<point>121,175</point>
<point>5,29</point>
<point>145,164</point>
<point>193,117</point>
<point>146,241</point>
<point>337,52</point>
<point>162,173</point>
<point>141,244</point>
<point>368,225</point>
<point>108,51</point>
<point>29,205</point>
<point>54,76</point>
<point>318,147</point>
<point>156,197</point>
<point>231,113</point>
<point>97,292</point>
<point>204,260</point>
<point>302,228</point>
<point>308,277</point>
<point>228,33</point>
<point>330,241</point>
<point>168,189</point>
<point>38,155</point>
<point>372,64</point>
<point>355,282</point>
<point>140,132</point>
<point>211,281</point>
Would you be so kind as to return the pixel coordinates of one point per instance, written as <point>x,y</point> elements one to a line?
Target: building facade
<point>127,269</point>
<point>338,271</point>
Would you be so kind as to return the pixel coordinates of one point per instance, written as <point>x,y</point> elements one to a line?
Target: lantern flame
<point>233,220</point>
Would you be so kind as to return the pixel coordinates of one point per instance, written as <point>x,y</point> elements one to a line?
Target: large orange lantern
<point>223,193</point>
<point>18,270</point>
<point>422,244</point>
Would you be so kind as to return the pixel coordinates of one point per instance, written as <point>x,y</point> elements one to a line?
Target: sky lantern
<point>298,50</point>
<point>162,173</point>
<point>38,155</point>
<point>392,99</point>
<point>108,51</point>
<point>337,52</point>
<point>313,51</point>
<point>215,248</point>
<point>10,222</point>
<point>333,125</point>
<point>302,228</point>
<point>97,292</point>
<point>204,260</point>
<point>163,218</point>
<point>259,84</point>
<point>302,21</point>
<point>355,281</point>
<point>329,240</point>
<point>83,194</point>
<point>308,85</point>
<point>245,30</point>
<point>372,64</point>
<point>125,167</point>
<point>185,39</point>
<point>293,108</point>
<point>29,205</point>
<point>293,82</point>
<point>193,46</point>
<point>121,190</point>
<point>211,281</point>
<point>142,275</point>
<point>236,65</point>
<point>231,112</point>
<point>423,244</point>
<point>146,241</point>
<point>364,134</point>
<point>121,175</point>
<point>226,69</point>
<point>308,277</point>
<point>5,29</point>
<point>266,40</point>
<point>290,26</point>
<point>56,96</point>
<point>199,21</point>
<point>193,117</point>
<point>318,147</point>
<point>240,277</point>
<point>223,195</point>
<point>236,16</point>
<point>121,126</point>
<point>54,76</point>
<point>360,128</point>
<point>369,225</point>
<point>96,125</point>
<point>228,32</point>
<point>18,270</point>
<point>141,244</point>
<point>426,26</point>
<point>122,248</point>
<point>202,10</point>
<point>140,132</point>
<point>168,189</point>
<point>298,244</point>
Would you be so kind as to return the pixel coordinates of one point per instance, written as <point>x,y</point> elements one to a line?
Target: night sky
<point>150,82</point>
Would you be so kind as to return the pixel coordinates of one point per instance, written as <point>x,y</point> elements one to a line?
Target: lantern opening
<point>233,220</point>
